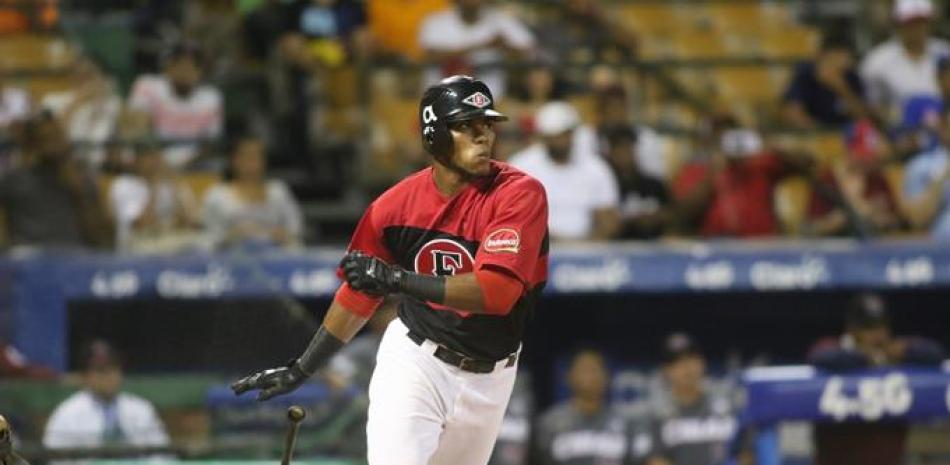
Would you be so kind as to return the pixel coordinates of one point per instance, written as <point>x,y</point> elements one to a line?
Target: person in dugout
<point>867,342</point>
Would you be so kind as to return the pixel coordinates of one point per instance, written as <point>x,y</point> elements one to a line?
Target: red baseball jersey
<point>498,221</point>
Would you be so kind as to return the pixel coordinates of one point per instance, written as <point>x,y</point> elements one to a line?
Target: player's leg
<point>408,395</point>
<point>472,425</point>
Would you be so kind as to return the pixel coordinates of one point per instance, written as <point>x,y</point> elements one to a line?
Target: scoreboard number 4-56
<point>875,397</point>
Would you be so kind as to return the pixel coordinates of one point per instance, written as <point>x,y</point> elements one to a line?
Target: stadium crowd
<point>232,117</point>
<point>325,90</point>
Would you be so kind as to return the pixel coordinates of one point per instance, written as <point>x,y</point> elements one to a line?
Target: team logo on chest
<point>443,257</point>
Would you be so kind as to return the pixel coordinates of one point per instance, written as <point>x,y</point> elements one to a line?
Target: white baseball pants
<point>424,412</point>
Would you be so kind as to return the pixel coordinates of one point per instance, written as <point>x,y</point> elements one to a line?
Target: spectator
<point>645,204</point>
<point>333,29</point>
<point>583,33</point>
<point>14,105</point>
<point>853,197</point>
<point>693,426</point>
<point>614,110</point>
<point>176,107</point>
<point>826,91</point>
<point>729,193</point>
<point>264,27</point>
<point>943,80</point>
<point>906,65</point>
<point>214,24</point>
<point>248,209</point>
<point>926,197</point>
<point>583,429</point>
<point>153,210</point>
<point>14,108</point>
<point>472,35</point>
<point>50,200</point>
<point>101,414</point>
<point>89,110</point>
<point>867,342</point>
<point>582,195</point>
<point>394,26</point>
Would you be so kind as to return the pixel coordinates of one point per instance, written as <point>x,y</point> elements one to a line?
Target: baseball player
<point>463,247</point>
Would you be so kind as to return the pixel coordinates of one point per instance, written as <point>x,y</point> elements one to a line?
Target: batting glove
<point>370,274</point>
<point>273,382</point>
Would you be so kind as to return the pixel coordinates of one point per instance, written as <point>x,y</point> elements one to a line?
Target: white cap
<point>906,10</point>
<point>556,117</point>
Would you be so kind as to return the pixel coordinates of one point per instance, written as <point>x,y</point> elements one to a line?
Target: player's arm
<point>490,290</point>
<point>344,319</point>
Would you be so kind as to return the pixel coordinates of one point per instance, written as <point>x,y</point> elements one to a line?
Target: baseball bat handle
<point>291,440</point>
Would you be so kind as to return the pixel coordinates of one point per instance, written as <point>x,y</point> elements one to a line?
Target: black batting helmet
<point>455,98</point>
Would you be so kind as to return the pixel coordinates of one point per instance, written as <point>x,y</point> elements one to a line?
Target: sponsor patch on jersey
<point>443,257</point>
<point>503,240</point>
<point>477,100</point>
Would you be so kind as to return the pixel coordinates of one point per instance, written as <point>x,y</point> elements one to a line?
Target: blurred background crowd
<point>172,126</point>
<point>212,124</point>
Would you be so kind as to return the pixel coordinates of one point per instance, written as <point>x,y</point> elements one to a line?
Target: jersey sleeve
<point>513,238</point>
<point>367,238</point>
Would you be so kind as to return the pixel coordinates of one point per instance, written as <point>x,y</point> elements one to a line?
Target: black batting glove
<point>370,274</point>
<point>273,382</point>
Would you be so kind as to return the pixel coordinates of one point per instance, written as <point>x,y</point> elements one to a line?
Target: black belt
<point>461,361</point>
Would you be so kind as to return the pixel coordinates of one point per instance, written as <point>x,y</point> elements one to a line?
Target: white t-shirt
<point>223,210</point>
<point>445,31</point>
<point>575,189</point>
<point>14,105</point>
<point>128,197</point>
<point>80,421</point>
<point>891,76</point>
<point>93,122</point>
<point>198,116</point>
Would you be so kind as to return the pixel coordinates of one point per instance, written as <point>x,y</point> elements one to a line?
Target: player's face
<point>104,382</point>
<point>473,140</point>
<point>588,376</point>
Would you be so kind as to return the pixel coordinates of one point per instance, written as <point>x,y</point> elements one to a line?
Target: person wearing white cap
<point>583,197</point>
<point>906,65</point>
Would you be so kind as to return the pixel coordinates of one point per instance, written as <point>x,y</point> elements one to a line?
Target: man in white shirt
<point>906,65</point>
<point>176,106</point>
<point>583,198</point>
<point>100,415</point>
<point>471,35</point>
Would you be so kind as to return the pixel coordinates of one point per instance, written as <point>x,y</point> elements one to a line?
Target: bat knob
<point>296,414</point>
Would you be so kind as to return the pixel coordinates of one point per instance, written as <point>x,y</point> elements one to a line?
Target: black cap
<point>866,310</point>
<point>677,346</point>
<point>99,354</point>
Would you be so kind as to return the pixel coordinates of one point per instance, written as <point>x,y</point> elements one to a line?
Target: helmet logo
<point>477,100</point>
<point>428,115</point>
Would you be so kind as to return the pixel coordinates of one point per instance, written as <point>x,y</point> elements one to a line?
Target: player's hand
<point>273,382</point>
<point>370,274</point>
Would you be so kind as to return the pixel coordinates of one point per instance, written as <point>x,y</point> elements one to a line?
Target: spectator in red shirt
<point>728,193</point>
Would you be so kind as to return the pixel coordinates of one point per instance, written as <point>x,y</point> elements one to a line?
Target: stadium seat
<point>791,42</point>
<point>826,148</point>
<point>790,200</point>
<point>748,17</point>
<point>748,83</point>
<point>34,52</point>
<point>660,18</point>
<point>702,44</point>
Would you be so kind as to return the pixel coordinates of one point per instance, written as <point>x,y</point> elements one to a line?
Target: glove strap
<point>425,287</point>
<point>318,353</point>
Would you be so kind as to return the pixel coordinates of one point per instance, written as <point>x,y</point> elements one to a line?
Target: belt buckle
<point>465,364</point>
